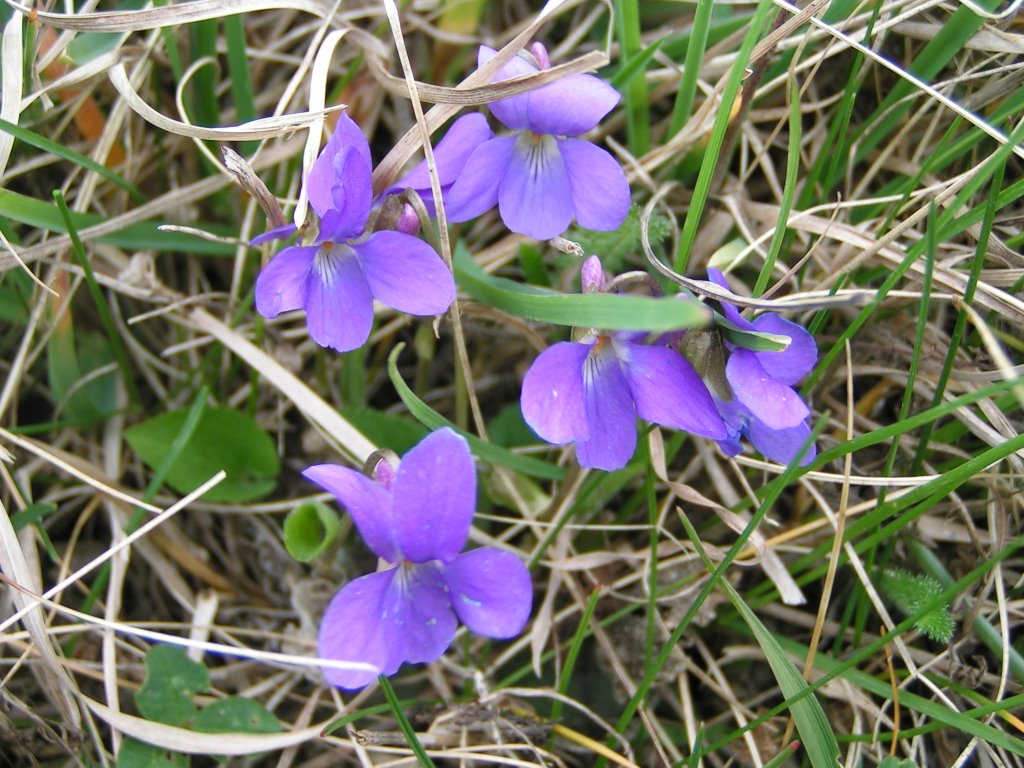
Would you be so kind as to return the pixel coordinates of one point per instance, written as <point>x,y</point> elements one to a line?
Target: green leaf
<point>138,754</point>
<point>15,292</point>
<point>759,341</point>
<point>223,439</point>
<point>236,715</point>
<point>909,592</point>
<point>819,741</point>
<point>596,310</point>
<point>309,529</point>
<point>509,429</point>
<point>387,430</point>
<point>172,679</point>
<point>69,361</point>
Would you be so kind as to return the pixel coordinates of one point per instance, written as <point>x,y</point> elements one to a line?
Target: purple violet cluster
<point>762,405</point>
<point>415,514</point>
<point>540,175</point>
<point>336,278</point>
<point>416,517</point>
<point>591,392</point>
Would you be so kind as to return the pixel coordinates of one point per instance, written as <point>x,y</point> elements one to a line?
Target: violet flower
<point>539,177</point>
<point>763,405</point>
<point>416,517</point>
<point>337,277</point>
<point>591,392</point>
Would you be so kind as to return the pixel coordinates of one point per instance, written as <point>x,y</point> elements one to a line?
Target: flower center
<point>328,259</point>
<point>537,149</point>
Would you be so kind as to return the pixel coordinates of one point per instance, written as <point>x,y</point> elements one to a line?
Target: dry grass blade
<point>189,742</point>
<point>264,128</point>
<point>168,16</point>
<point>51,675</point>
<point>10,89</point>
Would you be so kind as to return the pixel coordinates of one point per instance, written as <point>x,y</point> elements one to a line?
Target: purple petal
<point>352,195</point>
<point>570,106</point>
<point>792,364</point>
<point>535,198</point>
<point>403,614</point>
<point>476,190</point>
<point>281,285</point>
<point>782,445</point>
<point>777,405</point>
<point>366,501</point>
<point>567,107</point>
<point>278,233</point>
<point>406,273</point>
<point>426,618</point>
<point>450,156</point>
<point>611,418</point>
<point>731,445</point>
<point>339,307</point>
<point>355,627</point>
<point>552,394</point>
<point>600,192</point>
<point>323,174</point>
<point>434,497</point>
<point>339,185</point>
<point>736,417</point>
<point>667,391</point>
<point>513,111</point>
<point>490,591</point>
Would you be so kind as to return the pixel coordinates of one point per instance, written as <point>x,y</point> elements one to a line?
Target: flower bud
<point>408,221</point>
<point>592,276</point>
<point>540,53</point>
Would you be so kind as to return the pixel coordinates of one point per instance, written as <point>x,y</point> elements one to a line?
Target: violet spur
<point>416,518</point>
<point>336,278</point>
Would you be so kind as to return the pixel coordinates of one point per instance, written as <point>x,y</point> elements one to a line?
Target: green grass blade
<point>847,670</point>
<point>788,191</point>
<point>596,310</point>
<point>702,188</point>
<point>636,65</point>
<point>205,108</point>
<point>948,41</point>
<point>682,108</point>
<point>961,319</point>
<point>627,30</point>
<point>403,723</point>
<point>241,77</point>
<point>816,735</point>
<point>59,150</point>
<point>135,237</point>
<point>573,654</point>
<point>116,344</point>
